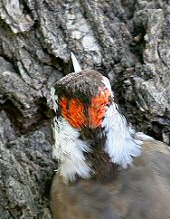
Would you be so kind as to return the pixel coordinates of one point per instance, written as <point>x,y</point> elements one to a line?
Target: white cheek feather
<point>68,149</point>
<point>120,145</point>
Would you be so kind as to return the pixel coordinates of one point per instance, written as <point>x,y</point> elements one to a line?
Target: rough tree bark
<point>126,40</point>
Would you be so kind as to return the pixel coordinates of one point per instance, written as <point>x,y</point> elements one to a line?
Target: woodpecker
<point>102,167</point>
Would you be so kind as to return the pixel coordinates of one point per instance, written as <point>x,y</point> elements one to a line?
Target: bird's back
<point>140,192</point>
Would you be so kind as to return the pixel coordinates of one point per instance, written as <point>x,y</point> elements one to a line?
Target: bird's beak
<point>76,64</point>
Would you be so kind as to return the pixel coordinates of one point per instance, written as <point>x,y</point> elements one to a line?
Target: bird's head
<point>89,130</point>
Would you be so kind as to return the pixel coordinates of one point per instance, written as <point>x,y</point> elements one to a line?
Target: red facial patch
<point>80,115</point>
<point>98,108</point>
<point>73,111</point>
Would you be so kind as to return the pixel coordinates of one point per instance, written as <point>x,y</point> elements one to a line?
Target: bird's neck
<point>102,168</point>
<point>99,161</point>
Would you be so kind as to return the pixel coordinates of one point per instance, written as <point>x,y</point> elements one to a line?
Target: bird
<point>104,170</point>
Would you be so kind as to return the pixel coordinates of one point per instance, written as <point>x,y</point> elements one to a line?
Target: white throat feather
<point>120,145</point>
<point>69,149</point>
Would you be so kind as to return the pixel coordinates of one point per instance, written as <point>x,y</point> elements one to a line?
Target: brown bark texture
<point>126,40</point>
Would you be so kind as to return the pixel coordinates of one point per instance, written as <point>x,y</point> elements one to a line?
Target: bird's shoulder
<point>146,184</point>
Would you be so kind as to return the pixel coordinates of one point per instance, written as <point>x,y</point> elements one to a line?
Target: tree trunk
<point>126,40</point>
